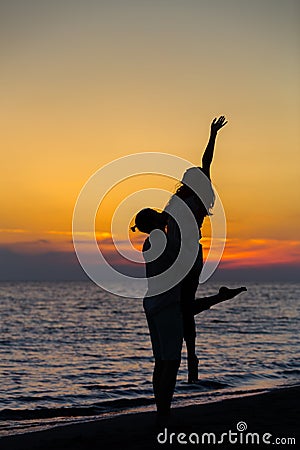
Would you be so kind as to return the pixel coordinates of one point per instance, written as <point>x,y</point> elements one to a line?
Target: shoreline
<point>275,412</point>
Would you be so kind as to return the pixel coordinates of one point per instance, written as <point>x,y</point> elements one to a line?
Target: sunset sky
<point>85,82</point>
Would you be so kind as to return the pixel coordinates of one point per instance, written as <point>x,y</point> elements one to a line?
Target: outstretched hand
<point>217,124</point>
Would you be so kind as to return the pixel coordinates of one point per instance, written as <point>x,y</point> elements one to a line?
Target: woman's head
<point>195,181</point>
<point>149,219</point>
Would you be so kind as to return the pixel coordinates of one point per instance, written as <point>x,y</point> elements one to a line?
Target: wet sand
<point>275,413</point>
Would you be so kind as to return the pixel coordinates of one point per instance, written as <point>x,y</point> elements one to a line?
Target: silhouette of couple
<point>170,314</point>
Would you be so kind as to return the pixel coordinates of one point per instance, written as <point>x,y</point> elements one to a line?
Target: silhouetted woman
<point>200,207</point>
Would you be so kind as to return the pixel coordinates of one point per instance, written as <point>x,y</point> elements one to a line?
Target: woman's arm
<point>208,154</point>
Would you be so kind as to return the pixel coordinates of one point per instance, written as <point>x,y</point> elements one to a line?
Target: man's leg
<point>166,332</point>
<point>157,374</point>
<point>164,381</point>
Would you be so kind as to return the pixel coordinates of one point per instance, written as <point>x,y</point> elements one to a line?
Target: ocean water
<point>70,351</point>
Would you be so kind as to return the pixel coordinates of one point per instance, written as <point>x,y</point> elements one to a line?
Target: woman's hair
<point>148,219</point>
<point>203,184</point>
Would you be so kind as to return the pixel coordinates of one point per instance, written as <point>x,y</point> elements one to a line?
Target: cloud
<point>260,253</point>
<point>255,259</point>
<point>275,273</point>
<point>87,234</point>
<point>13,230</point>
<point>40,266</point>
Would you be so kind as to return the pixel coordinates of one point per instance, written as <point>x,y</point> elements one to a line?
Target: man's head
<point>148,220</point>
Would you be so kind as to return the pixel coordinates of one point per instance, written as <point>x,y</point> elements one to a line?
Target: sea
<point>72,352</point>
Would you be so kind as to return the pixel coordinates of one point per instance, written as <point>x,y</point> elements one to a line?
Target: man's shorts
<point>166,332</point>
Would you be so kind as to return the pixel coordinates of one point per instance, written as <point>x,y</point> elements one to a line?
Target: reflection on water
<point>70,349</point>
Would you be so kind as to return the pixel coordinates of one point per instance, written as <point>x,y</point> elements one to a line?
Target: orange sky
<point>84,83</point>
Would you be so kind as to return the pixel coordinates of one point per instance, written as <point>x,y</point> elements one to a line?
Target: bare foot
<point>228,293</point>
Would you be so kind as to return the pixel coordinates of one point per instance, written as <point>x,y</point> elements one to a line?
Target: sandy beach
<point>268,418</point>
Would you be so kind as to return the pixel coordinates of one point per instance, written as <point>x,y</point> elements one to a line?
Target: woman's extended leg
<point>225,293</point>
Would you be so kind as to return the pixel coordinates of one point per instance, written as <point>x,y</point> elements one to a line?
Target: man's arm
<point>208,154</point>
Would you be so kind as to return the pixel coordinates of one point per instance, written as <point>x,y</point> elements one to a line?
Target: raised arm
<point>208,154</point>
